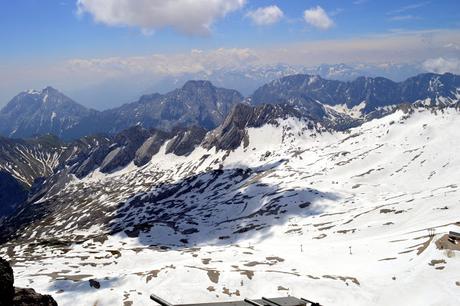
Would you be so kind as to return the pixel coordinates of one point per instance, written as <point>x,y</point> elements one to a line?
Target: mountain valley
<point>309,187</point>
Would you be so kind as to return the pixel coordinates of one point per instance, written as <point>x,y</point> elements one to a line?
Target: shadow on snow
<point>217,207</point>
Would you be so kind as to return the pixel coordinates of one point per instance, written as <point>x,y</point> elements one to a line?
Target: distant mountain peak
<point>50,89</point>
<point>38,112</point>
<point>194,84</point>
<point>46,90</point>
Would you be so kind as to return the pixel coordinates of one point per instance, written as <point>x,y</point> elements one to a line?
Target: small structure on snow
<point>280,301</point>
<point>454,237</point>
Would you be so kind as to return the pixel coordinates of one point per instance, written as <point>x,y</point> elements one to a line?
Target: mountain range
<point>199,103</point>
<point>33,113</point>
<point>203,187</point>
<point>255,208</point>
<point>196,114</point>
<point>245,78</point>
<point>369,94</point>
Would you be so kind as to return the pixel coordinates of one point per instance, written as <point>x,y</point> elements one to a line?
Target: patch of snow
<point>355,112</point>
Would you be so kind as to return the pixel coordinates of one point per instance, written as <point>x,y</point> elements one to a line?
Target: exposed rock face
<point>124,148</point>
<point>150,147</point>
<point>229,135</point>
<point>11,296</point>
<point>89,154</point>
<point>28,166</point>
<point>56,165</point>
<point>186,140</point>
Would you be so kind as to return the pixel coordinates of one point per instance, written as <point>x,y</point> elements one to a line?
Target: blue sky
<point>48,41</point>
<point>35,29</point>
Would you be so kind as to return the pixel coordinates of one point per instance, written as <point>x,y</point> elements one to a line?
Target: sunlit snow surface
<point>338,218</point>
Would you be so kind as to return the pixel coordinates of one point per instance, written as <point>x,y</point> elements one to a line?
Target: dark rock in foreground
<point>11,296</point>
<point>6,283</point>
<point>28,296</point>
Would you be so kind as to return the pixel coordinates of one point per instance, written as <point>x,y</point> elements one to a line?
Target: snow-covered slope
<point>342,218</point>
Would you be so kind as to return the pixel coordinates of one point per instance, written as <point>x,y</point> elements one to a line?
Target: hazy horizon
<point>106,55</point>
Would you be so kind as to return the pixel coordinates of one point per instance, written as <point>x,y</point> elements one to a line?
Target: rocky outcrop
<point>94,284</point>
<point>230,134</point>
<point>13,296</point>
<point>124,148</point>
<point>28,297</point>
<point>150,147</point>
<point>185,140</point>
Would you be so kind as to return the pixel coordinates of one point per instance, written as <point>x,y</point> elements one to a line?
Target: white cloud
<point>187,16</point>
<point>318,18</point>
<point>403,17</point>
<point>442,65</point>
<point>266,15</point>
<point>409,7</point>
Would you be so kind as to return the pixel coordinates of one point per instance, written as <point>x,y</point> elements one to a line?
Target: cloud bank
<point>190,17</point>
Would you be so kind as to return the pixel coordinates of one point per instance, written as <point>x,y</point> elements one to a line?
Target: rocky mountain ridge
<point>364,93</point>
<point>43,165</point>
<point>199,103</point>
<point>49,111</point>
